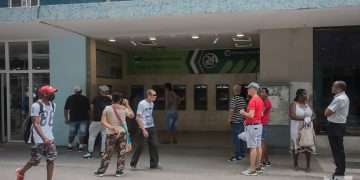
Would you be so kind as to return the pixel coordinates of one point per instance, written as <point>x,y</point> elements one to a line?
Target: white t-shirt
<point>145,110</point>
<point>46,120</point>
<point>340,105</point>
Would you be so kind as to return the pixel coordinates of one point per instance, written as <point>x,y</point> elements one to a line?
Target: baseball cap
<point>47,89</point>
<point>77,88</point>
<point>253,85</point>
<point>104,88</point>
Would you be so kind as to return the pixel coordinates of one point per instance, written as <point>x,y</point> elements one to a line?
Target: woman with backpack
<point>118,139</point>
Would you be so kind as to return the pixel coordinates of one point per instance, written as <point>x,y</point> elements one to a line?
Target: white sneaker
<point>250,173</point>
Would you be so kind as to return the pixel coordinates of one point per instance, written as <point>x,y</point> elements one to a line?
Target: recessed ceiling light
<point>133,43</point>
<point>216,40</point>
<point>112,40</point>
<point>152,38</point>
<point>195,36</point>
<point>240,35</point>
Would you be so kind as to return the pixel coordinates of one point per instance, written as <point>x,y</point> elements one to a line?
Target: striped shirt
<point>237,103</point>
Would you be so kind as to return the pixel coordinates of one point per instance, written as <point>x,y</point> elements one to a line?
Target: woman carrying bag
<point>301,128</point>
<point>118,139</point>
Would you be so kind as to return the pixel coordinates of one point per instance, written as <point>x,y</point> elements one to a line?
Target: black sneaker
<point>119,173</point>
<point>235,159</point>
<point>267,163</point>
<point>80,149</point>
<point>99,174</point>
<point>69,148</point>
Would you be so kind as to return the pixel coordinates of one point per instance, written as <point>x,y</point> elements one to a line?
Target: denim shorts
<point>78,127</point>
<point>253,135</point>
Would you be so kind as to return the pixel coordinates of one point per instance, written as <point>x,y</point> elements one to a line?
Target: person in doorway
<point>264,93</point>
<point>171,115</point>
<point>236,121</point>
<point>42,114</point>
<point>253,128</point>
<point>145,120</point>
<point>301,114</point>
<point>76,113</point>
<point>337,113</point>
<point>118,138</point>
<point>98,105</point>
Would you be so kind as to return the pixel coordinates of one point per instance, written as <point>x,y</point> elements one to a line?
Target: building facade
<point>202,48</point>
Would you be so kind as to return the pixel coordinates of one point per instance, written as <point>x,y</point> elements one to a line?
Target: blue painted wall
<point>67,69</point>
<point>143,8</point>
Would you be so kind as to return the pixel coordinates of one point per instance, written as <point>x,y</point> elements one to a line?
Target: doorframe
<point>7,72</point>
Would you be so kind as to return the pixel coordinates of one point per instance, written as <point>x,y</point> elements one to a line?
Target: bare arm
<point>66,115</point>
<point>249,114</point>
<point>36,122</point>
<point>130,111</point>
<point>105,122</point>
<point>328,112</point>
<point>292,113</point>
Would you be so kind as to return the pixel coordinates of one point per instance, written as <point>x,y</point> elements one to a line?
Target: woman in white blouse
<point>301,116</point>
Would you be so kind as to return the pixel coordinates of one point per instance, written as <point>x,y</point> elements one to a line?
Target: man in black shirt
<point>76,112</point>
<point>97,106</point>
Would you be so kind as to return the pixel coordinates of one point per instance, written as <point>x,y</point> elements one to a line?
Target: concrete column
<point>67,69</point>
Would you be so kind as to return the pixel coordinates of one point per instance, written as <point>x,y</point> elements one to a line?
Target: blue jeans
<point>239,145</point>
<point>171,118</point>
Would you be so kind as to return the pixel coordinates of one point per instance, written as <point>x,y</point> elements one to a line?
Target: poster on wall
<point>175,61</point>
<point>279,96</point>
<point>108,65</point>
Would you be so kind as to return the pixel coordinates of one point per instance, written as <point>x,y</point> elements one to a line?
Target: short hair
<point>168,86</point>
<point>149,92</point>
<point>117,97</point>
<point>237,89</point>
<point>341,85</point>
<point>266,90</point>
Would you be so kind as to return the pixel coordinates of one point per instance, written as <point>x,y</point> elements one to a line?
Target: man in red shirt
<point>264,93</point>
<point>253,129</point>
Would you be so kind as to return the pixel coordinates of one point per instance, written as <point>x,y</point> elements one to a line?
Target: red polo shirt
<point>257,104</point>
<point>266,116</point>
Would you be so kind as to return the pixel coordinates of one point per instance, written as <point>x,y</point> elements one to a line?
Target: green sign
<point>173,61</point>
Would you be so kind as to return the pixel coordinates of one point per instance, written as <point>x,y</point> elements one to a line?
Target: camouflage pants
<point>114,144</point>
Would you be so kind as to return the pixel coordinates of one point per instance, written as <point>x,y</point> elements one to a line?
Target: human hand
<point>125,102</point>
<point>128,147</point>
<point>47,141</point>
<point>145,133</point>
<point>242,112</point>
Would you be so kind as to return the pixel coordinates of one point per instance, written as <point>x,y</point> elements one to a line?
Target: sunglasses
<point>154,95</point>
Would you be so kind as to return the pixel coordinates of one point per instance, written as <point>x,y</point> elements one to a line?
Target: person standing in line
<point>301,114</point>
<point>145,120</point>
<point>42,114</point>
<point>264,93</point>
<point>171,115</point>
<point>236,121</point>
<point>97,106</point>
<point>118,138</point>
<point>253,129</point>
<point>337,113</point>
<point>76,113</point>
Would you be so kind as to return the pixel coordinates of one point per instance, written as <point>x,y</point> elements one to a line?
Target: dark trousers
<point>336,139</point>
<point>239,145</point>
<point>152,141</point>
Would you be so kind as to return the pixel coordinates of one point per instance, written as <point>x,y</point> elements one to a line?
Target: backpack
<point>28,125</point>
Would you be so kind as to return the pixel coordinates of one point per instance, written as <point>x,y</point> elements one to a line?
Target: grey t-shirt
<point>145,110</point>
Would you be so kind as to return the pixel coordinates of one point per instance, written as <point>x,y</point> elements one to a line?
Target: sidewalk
<point>178,162</point>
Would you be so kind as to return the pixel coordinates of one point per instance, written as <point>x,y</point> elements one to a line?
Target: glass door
<point>3,107</point>
<point>19,104</point>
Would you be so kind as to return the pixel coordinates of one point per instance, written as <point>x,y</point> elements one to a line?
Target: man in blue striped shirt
<point>236,121</point>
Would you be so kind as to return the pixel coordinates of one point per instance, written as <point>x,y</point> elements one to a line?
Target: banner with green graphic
<point>175,61</point>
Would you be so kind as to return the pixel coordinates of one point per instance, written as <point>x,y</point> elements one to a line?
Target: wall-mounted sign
<point>174,61</point>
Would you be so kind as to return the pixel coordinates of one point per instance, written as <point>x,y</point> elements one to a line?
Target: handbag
<point>306,137</point>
